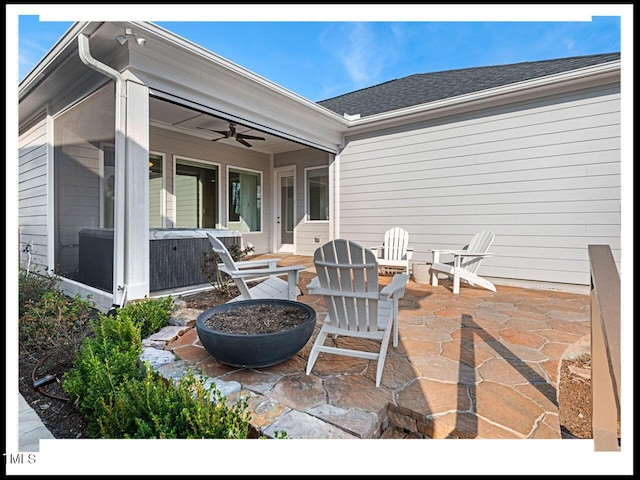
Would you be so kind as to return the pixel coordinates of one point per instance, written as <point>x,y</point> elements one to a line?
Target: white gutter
<point>119,288</point>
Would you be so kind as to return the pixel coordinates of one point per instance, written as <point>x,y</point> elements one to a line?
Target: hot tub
<point>176,256</point>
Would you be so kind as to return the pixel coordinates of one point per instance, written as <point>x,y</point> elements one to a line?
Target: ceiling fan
<point>231,133</point>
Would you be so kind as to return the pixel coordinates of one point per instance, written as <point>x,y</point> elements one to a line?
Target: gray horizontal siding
<point>32,195</point>
<point>306,237</point>
<point>544,176</point>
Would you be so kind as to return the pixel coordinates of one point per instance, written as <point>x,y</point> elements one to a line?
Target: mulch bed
<point>50,401</point>
<point>574,397</point>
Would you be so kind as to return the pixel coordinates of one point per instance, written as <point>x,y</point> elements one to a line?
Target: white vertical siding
<point>543,175</point>
<point>32,194</point>
<point>306,232</point>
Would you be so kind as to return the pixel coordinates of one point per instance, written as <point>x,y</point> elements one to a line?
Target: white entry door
<point>285,193</point>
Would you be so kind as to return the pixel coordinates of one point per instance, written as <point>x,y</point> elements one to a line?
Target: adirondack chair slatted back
<point>480,243</point>
<point>396,242</point>
<point>226,259</point>
<point>349,272</point>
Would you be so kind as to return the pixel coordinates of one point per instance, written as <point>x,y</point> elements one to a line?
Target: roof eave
<point>598,74</point>
<point>221,62</point>
<point>51,59</point>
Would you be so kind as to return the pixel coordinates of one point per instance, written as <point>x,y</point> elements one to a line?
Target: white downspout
<point>119,288</point>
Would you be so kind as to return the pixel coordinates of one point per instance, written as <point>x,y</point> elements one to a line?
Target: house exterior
<point>129,151</point>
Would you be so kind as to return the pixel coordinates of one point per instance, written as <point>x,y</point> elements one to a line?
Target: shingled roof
<point>428,87</point>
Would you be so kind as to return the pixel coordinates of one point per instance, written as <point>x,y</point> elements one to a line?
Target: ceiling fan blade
<point>250,137</point>
<point>242,141</point>
<point>221,132</point>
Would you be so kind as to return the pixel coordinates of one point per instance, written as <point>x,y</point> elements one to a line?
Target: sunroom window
<point>156,189</point>
<point>317,185</point>
<point>196,191</point>
<point>245,191</point>
<point>156,192</point>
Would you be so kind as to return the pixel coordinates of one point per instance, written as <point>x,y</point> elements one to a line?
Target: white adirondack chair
<point>243,270</point>
<point>348,281</point>
<point>394,255</point>
<point>465,262</point>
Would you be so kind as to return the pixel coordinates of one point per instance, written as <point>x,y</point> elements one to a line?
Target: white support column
<point>136,206</point>
<point>334,197</point>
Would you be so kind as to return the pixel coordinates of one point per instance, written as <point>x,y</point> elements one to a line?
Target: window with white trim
<point>245,200</point>
<point>317,193</point>
<point>196,194</point>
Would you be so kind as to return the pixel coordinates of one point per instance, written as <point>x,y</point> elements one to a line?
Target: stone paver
<point>302,425</point>
<point>474,365</point>
<point>356,422</point>
<point>156,357</point>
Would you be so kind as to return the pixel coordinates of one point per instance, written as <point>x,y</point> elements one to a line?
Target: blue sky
<point>322,59</point>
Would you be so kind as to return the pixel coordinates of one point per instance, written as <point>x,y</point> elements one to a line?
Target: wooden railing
<point>605,349</point>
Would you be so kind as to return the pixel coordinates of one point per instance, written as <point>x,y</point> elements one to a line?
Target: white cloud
<point>364,52</point>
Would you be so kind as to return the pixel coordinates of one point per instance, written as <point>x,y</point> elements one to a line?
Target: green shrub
<point>149,314</point>
<point>155,408</point>
<point>32,286</point>
<point>121,400</point>
<point>103,364</point>
<point>53,322</point>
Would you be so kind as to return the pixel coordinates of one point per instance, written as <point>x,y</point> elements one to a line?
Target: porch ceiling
<point>182,119</point>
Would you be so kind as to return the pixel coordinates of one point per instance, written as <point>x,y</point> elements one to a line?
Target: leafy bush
<point>154,408</point>
<point>104,363</point>
<point>121,400</point>
<point>50,320</point>
<point>31,288</point>
<point>148,314</point>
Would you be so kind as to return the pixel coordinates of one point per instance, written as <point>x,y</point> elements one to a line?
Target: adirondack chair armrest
<point>377,251</point>
<point>262,272</point>
<point>471,254</point>
<point>270,262</point>
<point>448,252</point>
<point>397,286</point>
<point>313,285</point>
